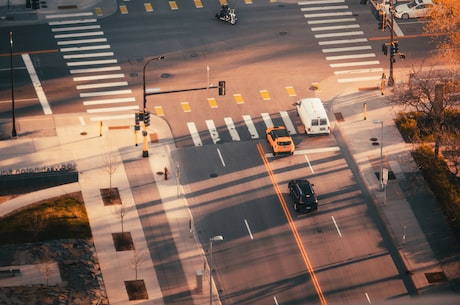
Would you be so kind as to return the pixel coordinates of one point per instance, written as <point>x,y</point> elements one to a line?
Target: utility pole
<point>14,134</point>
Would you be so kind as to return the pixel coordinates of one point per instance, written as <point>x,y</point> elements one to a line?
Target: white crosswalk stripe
<point>231,128</point>
<point>251,127</point>
<point>213,131</point>
<point>332,20</point>
<point>81,40</point>
<point>194,133</point>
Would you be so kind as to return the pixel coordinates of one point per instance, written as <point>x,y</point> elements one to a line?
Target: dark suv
<point>303,196</point>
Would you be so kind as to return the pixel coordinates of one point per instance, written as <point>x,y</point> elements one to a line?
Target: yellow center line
<point>293,228</point>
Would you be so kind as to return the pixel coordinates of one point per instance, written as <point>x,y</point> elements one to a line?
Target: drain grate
<point>435,277</point>
<point>391,175</point>
<point>339,116</point>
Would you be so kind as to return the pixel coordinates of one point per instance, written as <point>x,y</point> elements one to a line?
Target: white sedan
<point>414,9</point>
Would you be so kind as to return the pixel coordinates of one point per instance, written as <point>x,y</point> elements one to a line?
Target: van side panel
<point>313,116</point>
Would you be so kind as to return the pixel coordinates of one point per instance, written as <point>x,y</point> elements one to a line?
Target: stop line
<point>331,19</point>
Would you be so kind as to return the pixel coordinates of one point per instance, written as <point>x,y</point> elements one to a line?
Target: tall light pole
<point>381,153</point>
<point>215,238</point>
<point>391,80</point>
<point>13,114</point>
<point>145,151</point>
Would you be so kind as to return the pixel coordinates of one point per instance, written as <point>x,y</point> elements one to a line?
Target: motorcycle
<point>227,14</point>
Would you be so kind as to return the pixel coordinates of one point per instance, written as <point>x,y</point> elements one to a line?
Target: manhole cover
<point>160,173</point>
<point>375,143</point>
<point>373,139</point>
<point>213,175</point>
<point>83,133</point>
<point>165,75</point>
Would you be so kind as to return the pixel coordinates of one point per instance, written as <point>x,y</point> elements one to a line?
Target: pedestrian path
<point>101,85</point>
<point>342,40</point>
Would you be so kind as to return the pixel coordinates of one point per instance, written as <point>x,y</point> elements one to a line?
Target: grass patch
<point>51,219</point>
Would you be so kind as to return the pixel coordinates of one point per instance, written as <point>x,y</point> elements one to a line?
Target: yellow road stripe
<point>159,111</point>
<point>238,98</point>
<point>123,9</point>
<point>265,95</point>
<point>291,91</point>
<point>223,2</point>
<point>198,3</point>
<point>186,107</point>
<point>173,5</point>
<point>292,226</point>
<point>248,1</point>
<point>148,7</point>
<point>212,102</point>
<point>98,11</point>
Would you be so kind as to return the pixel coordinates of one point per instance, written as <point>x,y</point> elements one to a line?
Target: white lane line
<point>87,48</point>
<point>351,56</point>
<point>77,28</point>
<point>319,2</point>
<point>98,77</point>
<point>336,226</point>
<point>250,125</point>
<point>267,120</point>
<point>358,71</point>
<point>275,300</point>
<point>82,120</point>
<point>102,85</point>
<point>213,131</point>
<point>67,22</point>
<point>368,298</point>
<point>110,101</point>
<point>346,49</point>
<point>359,79</point>
<point>221,158</point>
<point>36,83</point>
<point>112,117</point>
<point>329,21</point>
<point>88,55</point>
<point>342,41</point>
<point>69,15</point>
<point>113,109</point>
<point>288,123</point>
<point>249,229</point>
<point>92,70</point>
<point>104,93</point>
<point>339,34</point>
<point>232,129</point>
<point>80,41</point>
<point>97,33</point>
<point>92,62</point>
<point>335,27</point>
<point>324,8</point>
<point>317,150</point>
<point>194,133</point>
<point>333,14</point>
<point>357,63</point>
<point>309,164</point>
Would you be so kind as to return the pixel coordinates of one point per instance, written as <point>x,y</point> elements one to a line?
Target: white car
<point>414,9</point>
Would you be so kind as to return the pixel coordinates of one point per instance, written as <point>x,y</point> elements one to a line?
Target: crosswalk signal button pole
<point>222,87</point>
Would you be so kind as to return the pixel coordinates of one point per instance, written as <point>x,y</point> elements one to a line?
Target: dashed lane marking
<point>186,107</point>
<point>173,5</point>
<point>123,9</point>
<point>238,98</point>
<point>290,91</point>
<point>198,3</point>
<point>98,11</point>
<point>148,7</point>
<point>159,111</point>
<point>265,95</point>
<point>212,102</point>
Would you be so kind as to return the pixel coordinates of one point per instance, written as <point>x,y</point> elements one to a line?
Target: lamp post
<point>215,238</point>
<point>145,151</point>
<point>391,80</point>
<point>13,114</point>
<point>381,153</point>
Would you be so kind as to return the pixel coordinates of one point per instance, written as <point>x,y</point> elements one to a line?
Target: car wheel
<point>405,16</point>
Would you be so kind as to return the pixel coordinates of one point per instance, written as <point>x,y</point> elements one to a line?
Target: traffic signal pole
<point>391,80</point>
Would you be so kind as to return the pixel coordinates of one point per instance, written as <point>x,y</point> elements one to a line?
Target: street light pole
<point>391,80</point>
<point>145,151</point>
<point>217,237</point>
<point>13,114</point>
<point>381,153</point>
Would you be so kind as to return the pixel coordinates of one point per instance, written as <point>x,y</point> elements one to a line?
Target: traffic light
<point>35,4</point>
<point>392,50</point>
<point>385,49</point>
<point>139,116</point>
<point>222,87</point>
<point>396,45</point>
<point>147,118</point>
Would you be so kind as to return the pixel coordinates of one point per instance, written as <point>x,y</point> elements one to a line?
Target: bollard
<point>100,129</point>
<point>382,84</point>
<point>166,173</point>
<point>364,110</point>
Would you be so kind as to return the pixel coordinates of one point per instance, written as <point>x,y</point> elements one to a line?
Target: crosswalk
<point>240,129</point>
<point>97,76</point>
<point>343,43</point>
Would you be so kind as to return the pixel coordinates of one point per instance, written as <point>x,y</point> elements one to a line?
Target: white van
<point>313,116</point>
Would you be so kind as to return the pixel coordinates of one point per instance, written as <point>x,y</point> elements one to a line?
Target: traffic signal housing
<point>385,49</point>
<point>222,87</point>
<point>147,118</point>
<point>139,116</point>
<point>35,4</point>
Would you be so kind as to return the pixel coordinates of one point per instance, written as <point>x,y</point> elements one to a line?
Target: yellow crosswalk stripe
<point>123,9</point>
<point>98,11</point>
<point>159,111</point>
<point>223,2</point>
<point>265,95</point>
<point>173,5</point>
<point>212,102</point>
<point>198,3</point>
<point>186,107</point>
<point>290,90</point>
<point>248,1</point>
<point>238,98</point>
<point>148,7</point>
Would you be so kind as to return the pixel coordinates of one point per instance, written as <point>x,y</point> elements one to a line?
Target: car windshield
<point>284,143</point>
<point>412,4</point>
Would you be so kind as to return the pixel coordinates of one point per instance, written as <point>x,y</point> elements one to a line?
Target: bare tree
<point>36,222</point>
<point>111,164</point>
<point>138,259</point>
<point>452,151</point>
<point>121,211</point>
